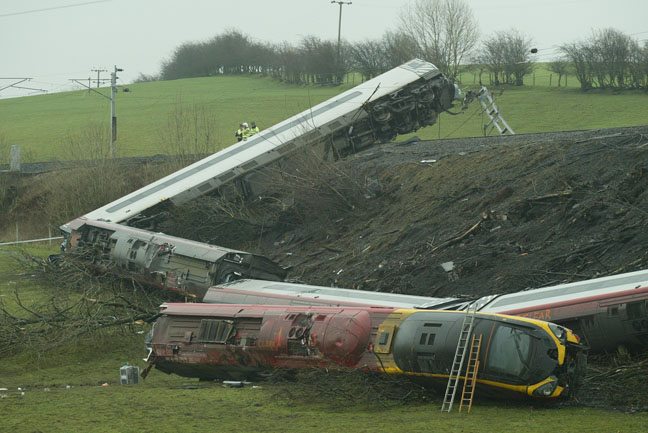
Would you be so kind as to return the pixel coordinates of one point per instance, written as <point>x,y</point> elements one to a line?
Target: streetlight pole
<point>340,26</point>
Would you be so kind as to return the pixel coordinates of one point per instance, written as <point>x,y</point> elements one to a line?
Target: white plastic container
<point>129,374</point>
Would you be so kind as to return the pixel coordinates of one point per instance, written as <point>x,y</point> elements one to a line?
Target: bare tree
<point>560,67</point>
<point>638,67</point>
<point>608,59</point>
<point>444,31</point>
<point>613,50</point>
<point>508,55</point>
<point>580,55</point>
<point>367,58</point>
<point>398,48</point>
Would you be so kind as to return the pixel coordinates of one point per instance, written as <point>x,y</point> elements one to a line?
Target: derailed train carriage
<point>180,265</point>
<point>519,356</point>
<point>605,312</point>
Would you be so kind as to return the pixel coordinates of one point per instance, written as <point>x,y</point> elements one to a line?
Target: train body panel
<point>215,341</point>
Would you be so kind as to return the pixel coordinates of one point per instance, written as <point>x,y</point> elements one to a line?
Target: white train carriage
<point>399,101</point>
<point>605,312</point>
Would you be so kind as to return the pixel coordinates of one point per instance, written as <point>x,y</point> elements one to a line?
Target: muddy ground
<point>510,212</point>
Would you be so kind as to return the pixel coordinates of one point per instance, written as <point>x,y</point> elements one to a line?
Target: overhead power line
<point>53,8</point>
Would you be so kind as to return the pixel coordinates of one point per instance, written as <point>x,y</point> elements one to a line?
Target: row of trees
<point>233,53</point>
<point>608,59</point>
<point>443,32</point>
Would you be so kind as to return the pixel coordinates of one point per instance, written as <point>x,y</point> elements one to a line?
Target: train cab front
<point>547,359</point>
<point>569,358</point>
<point>517,356</point>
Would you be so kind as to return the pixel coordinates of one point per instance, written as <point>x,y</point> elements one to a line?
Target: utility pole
<point>340,26</point>
<point>113,117</point>
<point>99,71</point>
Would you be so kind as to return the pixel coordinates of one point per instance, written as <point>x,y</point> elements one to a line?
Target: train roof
<point>598,288</point>
<point>271,292</point>
<point>216,310</point>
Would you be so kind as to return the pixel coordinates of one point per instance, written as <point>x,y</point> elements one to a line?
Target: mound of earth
<point>509,212</point>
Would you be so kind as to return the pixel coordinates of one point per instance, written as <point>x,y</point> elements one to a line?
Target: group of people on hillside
<point>246,131</point>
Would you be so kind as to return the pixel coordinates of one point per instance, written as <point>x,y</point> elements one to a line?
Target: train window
<point>613,311</point>
<point>383,341</point>
<point>427,339</point>
<point>509,352</point>
<point>636,310</point>
<point>432,325</point>
<point>215,331</point>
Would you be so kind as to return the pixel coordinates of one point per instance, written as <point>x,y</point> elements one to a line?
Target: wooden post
<point>550,77</point>
<point>14,159</point>
<point>534,78</point>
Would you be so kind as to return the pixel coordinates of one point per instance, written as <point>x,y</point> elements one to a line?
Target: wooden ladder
<point>460,355</point>
<point>470,381</point>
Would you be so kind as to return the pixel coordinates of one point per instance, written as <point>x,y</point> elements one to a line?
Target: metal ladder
<point>460,355</point>
<point>470,381</point>
<point>496,119</point>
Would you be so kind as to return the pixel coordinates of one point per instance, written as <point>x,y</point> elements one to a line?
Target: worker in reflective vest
<point>253,128</point>
<point>239,133</point>
<point>246,131</point>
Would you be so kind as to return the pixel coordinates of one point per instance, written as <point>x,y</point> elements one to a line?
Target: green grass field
<point>163,117</point>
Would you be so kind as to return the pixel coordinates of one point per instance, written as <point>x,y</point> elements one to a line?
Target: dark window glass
<point>509,352</point>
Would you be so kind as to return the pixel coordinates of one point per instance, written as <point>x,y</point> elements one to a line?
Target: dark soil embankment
<point>511,213</point>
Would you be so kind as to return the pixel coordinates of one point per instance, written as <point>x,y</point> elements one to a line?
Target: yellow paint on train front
<point>394,319</point>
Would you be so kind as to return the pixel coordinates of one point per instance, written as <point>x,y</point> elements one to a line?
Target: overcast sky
<point>52,41</point>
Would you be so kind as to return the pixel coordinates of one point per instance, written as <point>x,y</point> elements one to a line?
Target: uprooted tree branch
<point>79,302</point>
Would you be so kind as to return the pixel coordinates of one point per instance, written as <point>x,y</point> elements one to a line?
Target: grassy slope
<point>171,403</point>
<point>42,125</point>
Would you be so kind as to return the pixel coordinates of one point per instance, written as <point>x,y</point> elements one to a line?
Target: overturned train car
<point>518,356</point>
<point>605,312</point>
<point>399,101</point>
<point>183,266</point>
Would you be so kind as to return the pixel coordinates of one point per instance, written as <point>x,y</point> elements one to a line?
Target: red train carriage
<point>214,341</point>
